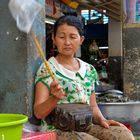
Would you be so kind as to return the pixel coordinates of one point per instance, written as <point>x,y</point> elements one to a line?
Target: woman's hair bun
<point>71,13</point>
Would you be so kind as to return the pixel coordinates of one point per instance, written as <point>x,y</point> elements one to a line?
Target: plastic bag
<point>24,12</point>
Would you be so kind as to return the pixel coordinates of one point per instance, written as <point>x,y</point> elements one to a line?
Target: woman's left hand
<point>107,123</point>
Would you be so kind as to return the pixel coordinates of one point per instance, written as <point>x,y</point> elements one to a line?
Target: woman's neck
<point>65,59</point>
<point>69,62</point>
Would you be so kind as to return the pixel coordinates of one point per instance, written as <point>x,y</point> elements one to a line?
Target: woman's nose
<point>67,41</point>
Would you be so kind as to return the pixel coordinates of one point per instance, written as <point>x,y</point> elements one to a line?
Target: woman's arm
<point>44,103</point>
<point>96,111</point>
<point>98,116</point>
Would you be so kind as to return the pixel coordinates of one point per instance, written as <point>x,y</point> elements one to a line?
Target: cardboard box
<point>39,136</point>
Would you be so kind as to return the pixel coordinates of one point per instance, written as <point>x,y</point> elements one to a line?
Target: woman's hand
<point>56,90</point>
<point>107,123</point>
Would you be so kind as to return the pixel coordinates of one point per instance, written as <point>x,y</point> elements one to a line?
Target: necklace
<point>74,65</point>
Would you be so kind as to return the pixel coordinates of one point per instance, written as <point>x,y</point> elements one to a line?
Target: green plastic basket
<point>11,126</point>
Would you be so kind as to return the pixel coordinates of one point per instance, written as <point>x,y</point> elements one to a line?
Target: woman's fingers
<point>107,123</point>
<point>115,123</point>
<point>56,90</point>
<point>104,124</point>
<point>60,94</point>
<point>54,84</point>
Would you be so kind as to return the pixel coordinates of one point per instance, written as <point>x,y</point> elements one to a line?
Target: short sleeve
<point>43,76</point>
<point>95,79</point>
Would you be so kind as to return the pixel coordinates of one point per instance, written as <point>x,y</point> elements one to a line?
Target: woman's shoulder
<point>49,61</point>
<point>43,68</point>
<point>87,65</point>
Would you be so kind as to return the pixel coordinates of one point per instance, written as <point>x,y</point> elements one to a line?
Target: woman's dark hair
<point>69,20</point>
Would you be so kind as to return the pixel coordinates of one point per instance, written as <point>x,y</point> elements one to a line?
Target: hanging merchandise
<point>137,15</point>
<point>71,4</point>
<point>52,9</point>
<point>95,53</point>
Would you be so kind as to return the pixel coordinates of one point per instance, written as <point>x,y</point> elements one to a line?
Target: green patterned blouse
<point>77,85</point>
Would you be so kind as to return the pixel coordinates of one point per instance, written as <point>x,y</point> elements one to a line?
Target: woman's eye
<point>61,36</point>
<point>73,37</point>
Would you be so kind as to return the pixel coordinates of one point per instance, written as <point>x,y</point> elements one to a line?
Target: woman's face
<point>67,40</point>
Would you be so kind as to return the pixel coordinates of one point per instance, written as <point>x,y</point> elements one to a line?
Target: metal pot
<point>127,112</point>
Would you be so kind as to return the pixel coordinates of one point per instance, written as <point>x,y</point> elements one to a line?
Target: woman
<point>75,83</point>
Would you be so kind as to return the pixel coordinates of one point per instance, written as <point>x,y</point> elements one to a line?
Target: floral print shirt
<point>77,85</point>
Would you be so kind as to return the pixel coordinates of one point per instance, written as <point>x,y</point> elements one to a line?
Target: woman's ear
<point>82,39</point>
<point>53,40</point>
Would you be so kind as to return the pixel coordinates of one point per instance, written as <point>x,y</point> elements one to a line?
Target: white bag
<point>24,12</point>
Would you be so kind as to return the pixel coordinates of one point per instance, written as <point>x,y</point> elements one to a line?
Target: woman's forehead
<point>67,28</point>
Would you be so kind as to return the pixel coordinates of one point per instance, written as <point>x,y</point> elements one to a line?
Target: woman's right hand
<point>56,90</point>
